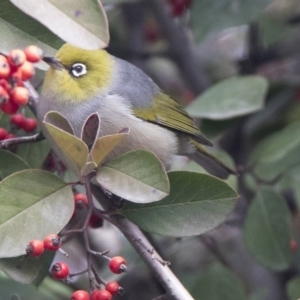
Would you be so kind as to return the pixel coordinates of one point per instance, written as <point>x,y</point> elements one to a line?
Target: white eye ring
<point>78,70</point>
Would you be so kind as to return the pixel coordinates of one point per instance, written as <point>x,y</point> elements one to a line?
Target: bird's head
<point>76,75</point>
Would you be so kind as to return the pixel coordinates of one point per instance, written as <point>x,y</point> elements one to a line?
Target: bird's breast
<point>115,114</point>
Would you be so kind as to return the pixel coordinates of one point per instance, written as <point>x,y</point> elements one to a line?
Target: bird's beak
<point>53,62</point>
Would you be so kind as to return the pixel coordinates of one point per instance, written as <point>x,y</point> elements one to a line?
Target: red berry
<point>19,82</point>
<point>27,70</point>
<point>117,264</point>
<point>9,107</point>
<point>15,75</point>
<point>6,85</point>
<point>3,58</point>
<point>18,120</point>
<point>10,136</point>
<point>81,200</point>
<point>20,95</point>
<point>3,134</point>
<point>4,67</point>
<point>60,270</point>
<point>113,287</point>
<point>33,53</point>
<point>52,242</point>
<point>101,295</point>
<point>29,124</point>
<point>95,221</point>
<point>35,248</point>
<point>16,57</point>
<point>293,245</point>
<point>4,97</point>
<point>80,295</point>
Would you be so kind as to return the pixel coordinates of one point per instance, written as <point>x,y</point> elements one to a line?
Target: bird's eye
<point>78,70</point>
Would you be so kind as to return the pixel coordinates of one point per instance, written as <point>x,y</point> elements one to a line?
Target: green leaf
<point>91,15</point>
<point>266,231</point>
<point>105,145</point>
<point>18,30</point>
<point>272,169</point>
<point>219,283</point>
<point>90,129</point>
<point>136,176</point>
<point>49,290</point>
<point>272,27</point>
<point>26,269</point>
<point>278,153</point>
<point>278,145</point>
<point>226,13</point>
<point>58,120</point>
<point>233,97</point>
<point>82,23</point>
<point>33,204</point>
<point>34,154</point>
<point>71,149</point>
<point>11,163</point>
<point>197,203</point>
<point>293,288</point>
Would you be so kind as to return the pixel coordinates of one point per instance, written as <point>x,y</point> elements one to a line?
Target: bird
<point>80,82</point>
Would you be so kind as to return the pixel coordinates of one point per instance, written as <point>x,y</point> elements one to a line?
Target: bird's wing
<point>169,113</point>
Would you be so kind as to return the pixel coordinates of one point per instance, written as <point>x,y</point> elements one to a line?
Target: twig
<point>171,284</point>
<point>63,252</point>
<point>78,273</point>
<point>98,278</point>
<point>151,252</point>
<point>166,277</point>
<point>21,140</point>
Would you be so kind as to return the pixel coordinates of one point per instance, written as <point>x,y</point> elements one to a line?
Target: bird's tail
<point>209,162</point>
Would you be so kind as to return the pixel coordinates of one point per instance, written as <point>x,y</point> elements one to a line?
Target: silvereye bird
<point>81,82</point>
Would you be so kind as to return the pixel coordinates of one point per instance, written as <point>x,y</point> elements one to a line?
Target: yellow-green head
<point>77,75</point>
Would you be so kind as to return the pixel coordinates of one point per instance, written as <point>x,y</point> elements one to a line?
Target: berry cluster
<point>117,265</point>
<point>36,248</point>
<point>15,68</point>
<point>111,288</point>
<point>178,7</point>
<point>18,121</point>
<point>60,270</point>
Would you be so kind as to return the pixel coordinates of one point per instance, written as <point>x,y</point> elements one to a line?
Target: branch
<point>171,284</point>
<point>163,273</point>
<point>181,46</point>
<point>21,140</point>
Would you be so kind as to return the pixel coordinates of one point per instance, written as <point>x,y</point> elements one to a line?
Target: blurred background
<point>189,47</point>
